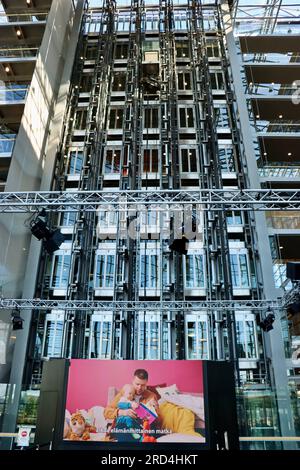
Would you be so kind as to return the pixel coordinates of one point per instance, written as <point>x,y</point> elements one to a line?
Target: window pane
<point>240,337</point>
<point>244,271</point>
<point>110,271</point>
<point>234,270</point>
<point>189,271</point>
<point>106,332</point>
<point>199,277</point>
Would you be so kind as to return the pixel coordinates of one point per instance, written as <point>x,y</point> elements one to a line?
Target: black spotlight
<point>17,321</point>
<point>52,239</point>
<point>267,323</point>
<point>180,245</point>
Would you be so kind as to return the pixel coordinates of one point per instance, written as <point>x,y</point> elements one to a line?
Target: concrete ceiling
<point>11,114</point>
<point>285,74</point>
<point>270,109</point>
<point>290,246</point>
<point>32,33</point>
<point>19,71</point>
<point>281,44</point>
<point>20,6</point>
<point>278,148</point>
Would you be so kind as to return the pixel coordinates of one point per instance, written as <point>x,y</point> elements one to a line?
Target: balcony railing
<point>279,172</point>
<point>281,59</point>
<point>13,93</point>
<point>279,272</point>
<point>278,126</point>
<point>288,222</point>
<point>270,89</point>
<point>18,52</point>
<point>23,17</point>
<point>7,142</point>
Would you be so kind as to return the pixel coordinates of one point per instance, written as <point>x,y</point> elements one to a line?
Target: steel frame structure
<point>212,199</point>
<point>110,305</point>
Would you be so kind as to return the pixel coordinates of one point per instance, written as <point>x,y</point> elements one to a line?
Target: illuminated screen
<point>135,401</point>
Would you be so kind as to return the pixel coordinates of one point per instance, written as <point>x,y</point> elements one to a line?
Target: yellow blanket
<point>177,419</point>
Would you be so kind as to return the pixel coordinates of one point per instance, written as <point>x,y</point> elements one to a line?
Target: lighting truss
<point>211,199</point>
<point>158,306</point>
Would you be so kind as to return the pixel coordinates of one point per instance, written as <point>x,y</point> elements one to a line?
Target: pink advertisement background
<point>89,380</point>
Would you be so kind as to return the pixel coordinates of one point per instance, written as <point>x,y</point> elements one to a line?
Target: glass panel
<point>244,271</point>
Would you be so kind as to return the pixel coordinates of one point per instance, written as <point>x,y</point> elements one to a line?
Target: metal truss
<point>211,199</point>
<point>161,306</point>
<point>292,296</point>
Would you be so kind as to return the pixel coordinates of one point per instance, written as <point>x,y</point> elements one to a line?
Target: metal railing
<point>279,171</point>
<point>277,126</point>
<point>7,142</point>
<point>18,52</point>
<point>23,17</point>
<point>17,93</point>
<point>269,89</point>
<point>271,58</point>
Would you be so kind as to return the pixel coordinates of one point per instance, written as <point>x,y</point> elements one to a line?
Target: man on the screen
<point>141,395</point>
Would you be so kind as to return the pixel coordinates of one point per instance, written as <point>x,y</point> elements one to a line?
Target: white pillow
<point>96,413</point>
<point>167,391</point>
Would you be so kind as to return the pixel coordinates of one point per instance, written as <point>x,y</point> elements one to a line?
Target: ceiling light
<point>19,32</point>
<point>7,69</point>
<point>290,154</point>
<point>257,116</point>
<point>280,116</point>
<point>265,154</point>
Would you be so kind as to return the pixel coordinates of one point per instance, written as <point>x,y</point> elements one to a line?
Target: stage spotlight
<point>17,321</point>
<point>180,245</point>
<point>267,324</point>
<point>52,239</point>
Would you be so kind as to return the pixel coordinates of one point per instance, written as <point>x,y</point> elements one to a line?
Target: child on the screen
<point>126,402</point>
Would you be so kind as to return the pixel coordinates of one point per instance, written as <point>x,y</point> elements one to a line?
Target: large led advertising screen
<point>135,401</point>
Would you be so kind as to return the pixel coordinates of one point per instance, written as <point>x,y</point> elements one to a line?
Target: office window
<point>226,159</point>
<point>150,163</point>
<point>234,218</point>
<point>80,119</point>
<point>68,219</point>
<point>119,81</point>
<point>151,118</point>
<point>91,51</point>
<point>182,49</point>
<point>184,81</point>
<point>104,269</point>
<point>123,23</point>
<point>217,81</point>
<point>194,273</point>
<point>150,268</point>
<point>213,49</point>
<point>112,161</point>
<point>121,51</point>
<point>149,335</point>
<point>222,116</point>
<point>246,335</point>
<point>53,334</point>
<point>60,269</point>
<point>186,117</point>
<point>100,346</point>
<point>188,160</point>
<point>239,269</point>
<point>75,161</point>
<point>116,118</point>
<point>196,334</point>
<point>86,83</point>
<point>108,219</point>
